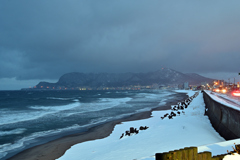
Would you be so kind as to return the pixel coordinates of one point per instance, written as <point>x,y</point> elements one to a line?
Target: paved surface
<point>228,100</point>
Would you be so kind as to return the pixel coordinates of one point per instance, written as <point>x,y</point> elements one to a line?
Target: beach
<point>55,149</point>
<point>186,129</point>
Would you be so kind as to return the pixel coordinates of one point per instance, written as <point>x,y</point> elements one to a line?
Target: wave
<point>56,108</point>
<point>163,102</point>
<point>64,99</point>
<point>57,98</point>
<point>35,137</point>
<point>34,112</point>
<point>116,100</point>
<point>28,140</point>
<point>14,131</point>
<point>101,104</point>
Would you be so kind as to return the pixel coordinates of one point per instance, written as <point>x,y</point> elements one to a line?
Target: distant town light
<point>224,90</point>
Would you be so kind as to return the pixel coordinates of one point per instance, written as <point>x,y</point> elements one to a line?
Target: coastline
<point>56,148</point>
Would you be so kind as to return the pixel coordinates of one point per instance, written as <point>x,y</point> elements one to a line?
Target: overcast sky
<point>42,40</point>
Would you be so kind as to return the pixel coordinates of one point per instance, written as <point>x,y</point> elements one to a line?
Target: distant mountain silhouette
<point>164,76</point>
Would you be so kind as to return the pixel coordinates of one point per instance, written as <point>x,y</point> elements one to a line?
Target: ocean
<point>29,118</point>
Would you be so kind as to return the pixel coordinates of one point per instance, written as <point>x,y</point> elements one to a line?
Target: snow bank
<point>232,157</point>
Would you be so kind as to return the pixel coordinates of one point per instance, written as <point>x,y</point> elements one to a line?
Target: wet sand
<point>55,149</point>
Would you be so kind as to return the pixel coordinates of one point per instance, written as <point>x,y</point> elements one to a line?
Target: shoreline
<point>56,148</point>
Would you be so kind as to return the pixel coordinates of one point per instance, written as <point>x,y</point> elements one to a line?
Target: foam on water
<point>64,99</point>
<point>56,108</point>
<point>20,144</point>
<point>57,98</point>
<point>9,116</point>
<point>163,102</point>
<point>151,96</point>
<point>143,110</point>
<point>14,131</point>
<point>116,100</point>
<point>100,120</point>
<point>102,104</point>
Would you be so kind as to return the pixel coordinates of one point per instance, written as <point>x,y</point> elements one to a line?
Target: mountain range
<point>164,76</point>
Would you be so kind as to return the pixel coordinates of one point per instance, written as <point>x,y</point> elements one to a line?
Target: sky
<point>42,40</point>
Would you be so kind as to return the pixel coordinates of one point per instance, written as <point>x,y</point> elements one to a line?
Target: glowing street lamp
<point>224,90</point>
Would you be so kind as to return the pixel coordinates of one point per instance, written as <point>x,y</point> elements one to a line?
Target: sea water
<point>30,118</point>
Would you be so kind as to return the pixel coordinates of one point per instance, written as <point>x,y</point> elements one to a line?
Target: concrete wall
<point>225,120</point>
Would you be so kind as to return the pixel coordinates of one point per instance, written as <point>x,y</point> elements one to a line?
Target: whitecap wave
<point>116,100</point>
<point>14,131</point>
<point>57,98</point>
<point>20,144</point>
<point>10,116</point>
<point>56,108</point>
<point>31,139</point>
<point>102,104</point>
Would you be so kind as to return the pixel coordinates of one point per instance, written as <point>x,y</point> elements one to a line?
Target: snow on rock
<point>184,130</point>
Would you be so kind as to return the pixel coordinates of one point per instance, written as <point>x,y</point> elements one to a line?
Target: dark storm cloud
<point>45,39</point>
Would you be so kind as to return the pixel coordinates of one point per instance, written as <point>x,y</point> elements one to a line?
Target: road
<point>228,99</point>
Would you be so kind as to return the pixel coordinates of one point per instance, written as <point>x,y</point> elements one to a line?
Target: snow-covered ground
<point>184,130</point>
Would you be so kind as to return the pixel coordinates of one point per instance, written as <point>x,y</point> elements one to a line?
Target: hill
<point>164,76</point>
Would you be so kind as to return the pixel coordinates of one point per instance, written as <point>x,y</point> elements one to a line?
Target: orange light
<point>224,90</point>
<point>217,90</point>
